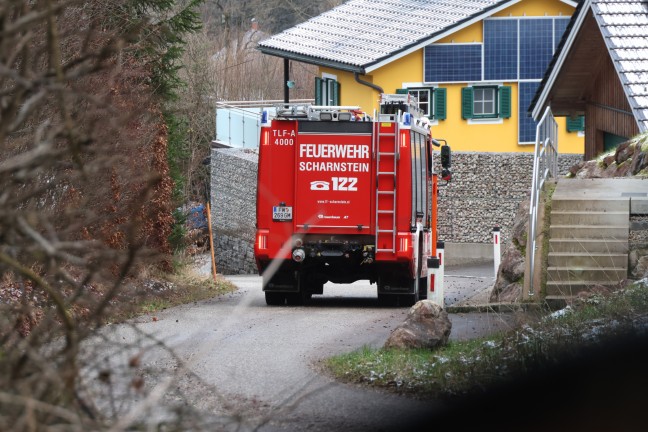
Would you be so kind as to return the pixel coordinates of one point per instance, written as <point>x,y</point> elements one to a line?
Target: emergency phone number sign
<point>333,180</point>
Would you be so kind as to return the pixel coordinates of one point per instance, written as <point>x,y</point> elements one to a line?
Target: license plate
<point>282,213</point>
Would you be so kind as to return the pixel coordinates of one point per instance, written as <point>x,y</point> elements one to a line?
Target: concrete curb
<point>494,307</point>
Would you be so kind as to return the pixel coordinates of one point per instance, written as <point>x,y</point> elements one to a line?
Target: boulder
<point>510,275</point>
<point>609,160</point>
<point>640,270</point>
<point>623,152</point>
<point>639,162</point>
<point>591,169</point>
<point>576,168</point>
<point>510,294</point>
<point>427,326</point>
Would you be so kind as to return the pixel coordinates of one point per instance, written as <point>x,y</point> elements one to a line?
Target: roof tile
<point>624,25</point>
<point>363,32</point>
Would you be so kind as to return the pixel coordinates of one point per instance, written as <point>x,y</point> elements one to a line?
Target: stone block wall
<point>638,243</point>
<point>233,204</point>
<point>485,191</point>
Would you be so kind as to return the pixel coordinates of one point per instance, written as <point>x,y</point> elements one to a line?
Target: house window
<point>327,91</point>
<point>424,97</point>
<point>576,124</point>
<point>486,102</point>
<point>431,101</point>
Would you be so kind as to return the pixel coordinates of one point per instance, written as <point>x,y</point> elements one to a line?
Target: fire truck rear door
<point>333,176</point>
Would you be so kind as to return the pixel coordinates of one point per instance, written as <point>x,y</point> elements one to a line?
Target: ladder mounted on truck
<point>386,131</point>
<point>395,110</point>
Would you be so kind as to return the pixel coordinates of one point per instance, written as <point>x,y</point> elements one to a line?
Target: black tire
<point>409,300</point>
<point>388,300</point>
<point>423,293</point>
<point>298,298</point>
<point>275,298</point>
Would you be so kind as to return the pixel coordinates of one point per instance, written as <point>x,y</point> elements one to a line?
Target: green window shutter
<point>505,102</point>
<point>402,91</point>
<point>576,124</point>
<point>467,107</point>
<point>336,93</point>
<point>440,103</point>
<point>318,91</point>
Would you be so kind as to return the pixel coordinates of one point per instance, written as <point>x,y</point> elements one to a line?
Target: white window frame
<point>423,86</point>
<point>327,90</point>
<point>487,120</point>
<point>484,100</point>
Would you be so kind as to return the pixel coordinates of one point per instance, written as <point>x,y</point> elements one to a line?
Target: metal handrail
<point>545,165</point>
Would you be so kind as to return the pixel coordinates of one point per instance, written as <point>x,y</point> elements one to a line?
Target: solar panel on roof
<point>500,49</point>
<point>453,63</point>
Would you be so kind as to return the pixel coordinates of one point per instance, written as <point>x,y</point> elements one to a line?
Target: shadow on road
<point>346,302</point>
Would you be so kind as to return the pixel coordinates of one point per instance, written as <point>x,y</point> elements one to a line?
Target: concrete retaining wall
<point>485,191</point>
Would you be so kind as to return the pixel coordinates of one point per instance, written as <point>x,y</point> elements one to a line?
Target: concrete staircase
<point>588,245</point>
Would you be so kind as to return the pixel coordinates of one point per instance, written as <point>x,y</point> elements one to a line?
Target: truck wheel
<point>275,298</point>
<point>423,288</point>
<point>298,299</point>
<point>409,300</point>
<point>389,300</point>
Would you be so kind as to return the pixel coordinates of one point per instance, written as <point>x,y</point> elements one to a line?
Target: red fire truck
<point>343,196</point>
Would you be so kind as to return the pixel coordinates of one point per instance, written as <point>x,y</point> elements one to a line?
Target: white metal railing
<point>545,165</point>
<point>238,123</point>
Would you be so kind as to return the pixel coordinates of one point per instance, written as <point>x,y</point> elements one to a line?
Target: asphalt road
<point>264,362</point>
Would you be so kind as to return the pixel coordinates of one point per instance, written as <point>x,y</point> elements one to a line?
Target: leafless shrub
<point>85,195</point>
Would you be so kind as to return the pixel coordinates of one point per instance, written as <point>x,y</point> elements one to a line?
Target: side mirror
<point>445,157</point>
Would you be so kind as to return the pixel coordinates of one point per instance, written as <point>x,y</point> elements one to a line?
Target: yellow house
<point>475,65</point>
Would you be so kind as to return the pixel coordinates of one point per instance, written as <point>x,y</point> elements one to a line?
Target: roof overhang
<point>311,60</point>
<point>557,66</point>
<point>377,64</point>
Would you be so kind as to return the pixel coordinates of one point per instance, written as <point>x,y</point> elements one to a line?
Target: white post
<point>497,256</point>
<point>440,279</point>
<point>433,276</point>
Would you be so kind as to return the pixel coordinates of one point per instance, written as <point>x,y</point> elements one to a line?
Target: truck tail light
<point>262,241</point>
<point>404,244</point>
